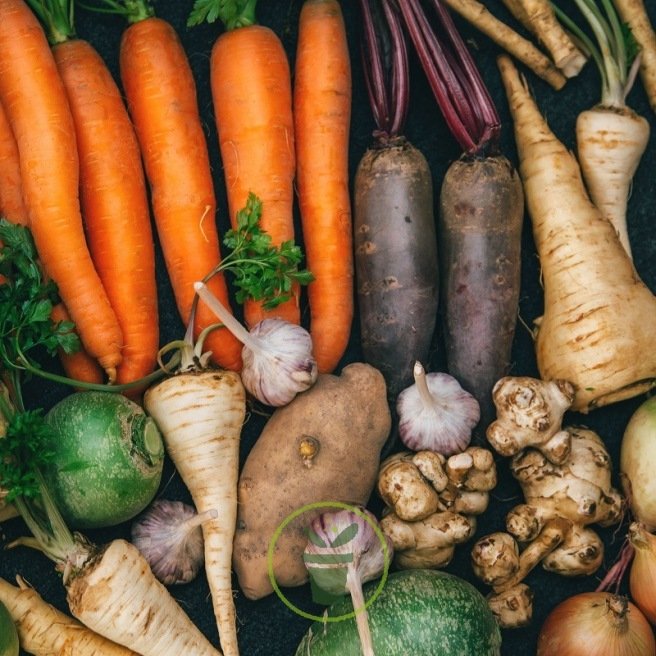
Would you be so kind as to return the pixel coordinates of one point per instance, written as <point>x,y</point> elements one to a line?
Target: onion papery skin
<point>589,624</point>
<point>642,578</point>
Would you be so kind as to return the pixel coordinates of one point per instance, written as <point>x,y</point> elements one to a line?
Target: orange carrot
<point>113,192</point>
<point>12,206</point>
<point>79,365</point>
<point>322,114</point>
<point>251,91</point>
<point>34,99</point>
<point>161,96</point>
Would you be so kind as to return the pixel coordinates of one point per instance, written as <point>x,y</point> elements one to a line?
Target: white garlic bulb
<point>169,536</point>
<point>436,414</point>
<point>277,356</point>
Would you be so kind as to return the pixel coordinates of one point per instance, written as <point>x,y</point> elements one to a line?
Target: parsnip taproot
<point>597,327</point>
<point>44,630</point>
<point>200,413</point>
<point>611,137</point>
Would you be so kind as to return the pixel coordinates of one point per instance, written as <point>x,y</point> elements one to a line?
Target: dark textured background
<point>268,626</point>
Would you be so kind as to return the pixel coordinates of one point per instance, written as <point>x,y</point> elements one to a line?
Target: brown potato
<point>323,447</point>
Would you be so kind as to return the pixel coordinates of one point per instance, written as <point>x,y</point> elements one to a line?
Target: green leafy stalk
<point>57,18</point>
<point>132,10</point>
<point>614,51</point>
<point>232,13</point>
<point>23,454</point>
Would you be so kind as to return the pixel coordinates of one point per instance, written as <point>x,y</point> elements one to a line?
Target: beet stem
<point>386,77</point>
<point>453,77</point>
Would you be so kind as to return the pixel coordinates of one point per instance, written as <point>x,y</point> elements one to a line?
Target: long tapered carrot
<point>34,99</point>
<point>113,193</point>
<point>43,630</point>
<point>161,96</point>
<point>251,90</point>
<point>12,206</point>
<point>322,115</point>
<point>79,365</point>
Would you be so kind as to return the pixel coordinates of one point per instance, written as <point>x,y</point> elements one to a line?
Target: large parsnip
<point>599,320</point>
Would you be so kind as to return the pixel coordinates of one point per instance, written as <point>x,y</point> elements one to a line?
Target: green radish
<point>418,612</point>
<point>8,634</point>
<point>107,459</point>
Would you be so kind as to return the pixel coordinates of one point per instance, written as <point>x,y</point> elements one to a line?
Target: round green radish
<point>419,612</point>
<point>107,460</point>
<point>8,634</point>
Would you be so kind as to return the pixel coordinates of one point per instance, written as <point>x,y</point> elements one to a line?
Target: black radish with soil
<point>481,209</point>
<point>395,236</point>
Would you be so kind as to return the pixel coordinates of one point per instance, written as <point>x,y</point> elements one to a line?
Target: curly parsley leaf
<point>26,301</point>
<point>232,13</point>
<point>23,452</point>
<point>261,271</point>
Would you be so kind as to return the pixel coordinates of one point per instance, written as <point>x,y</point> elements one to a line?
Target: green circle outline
<point>290,518</point>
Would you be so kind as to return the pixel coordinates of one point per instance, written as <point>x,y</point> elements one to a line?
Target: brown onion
<point>642,580</point>
<point>596,624</point>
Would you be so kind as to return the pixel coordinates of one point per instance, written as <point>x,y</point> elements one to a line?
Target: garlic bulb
<point>169,536</point>
<point>343,552</point>
<point>277,356</point>
<point>436,414</point>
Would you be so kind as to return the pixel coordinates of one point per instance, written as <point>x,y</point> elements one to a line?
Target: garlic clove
<point>169,536</point>
<point>279,364</point>
<point>436,413</point>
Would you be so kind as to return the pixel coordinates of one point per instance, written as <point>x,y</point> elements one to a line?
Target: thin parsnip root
<point>539,17</point>
<point>43,630</point>
<point>200,414</point>
<point>597,327</point>
<point>478,15</point>
<point>634,14</point>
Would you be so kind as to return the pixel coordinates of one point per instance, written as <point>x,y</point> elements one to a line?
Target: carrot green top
<point>133,10</point>
<point>56,17</point>
<point>232,13</point>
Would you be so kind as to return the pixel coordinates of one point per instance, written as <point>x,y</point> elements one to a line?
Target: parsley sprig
<point>26,302</point>
<point>22,454</point>
<point>260,270</point>
<point>232,13</point>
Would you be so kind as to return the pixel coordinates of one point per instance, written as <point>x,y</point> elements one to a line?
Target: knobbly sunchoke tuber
<point>529,413</point>
<point>431,502</point>
<point>561,500</point>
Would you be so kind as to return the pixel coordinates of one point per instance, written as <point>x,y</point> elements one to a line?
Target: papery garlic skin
<point>278,362</point>
<point>366,551</point>
<point>436,414</point>
<point>169,536</point>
